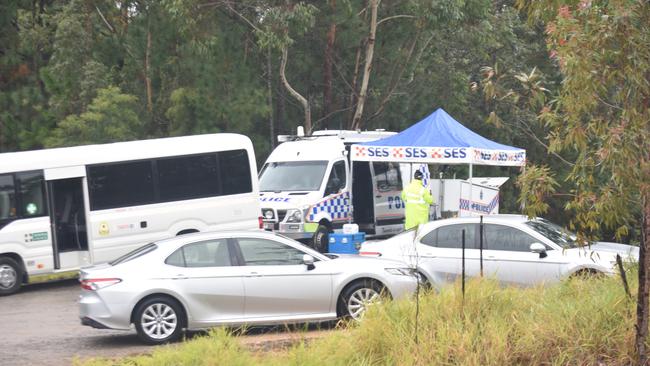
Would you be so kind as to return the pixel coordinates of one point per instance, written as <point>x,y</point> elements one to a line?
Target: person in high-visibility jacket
<point>417,199</point>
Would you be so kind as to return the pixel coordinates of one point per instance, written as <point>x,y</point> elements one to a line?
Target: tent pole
<point>471,188</point>
<point>523,202</point>
<point>350,207</point>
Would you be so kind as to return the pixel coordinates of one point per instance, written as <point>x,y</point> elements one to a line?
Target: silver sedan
<point>204,280</point>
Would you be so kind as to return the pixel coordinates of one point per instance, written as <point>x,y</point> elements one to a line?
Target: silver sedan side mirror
<point>308,260</point>
<point>539,249</point>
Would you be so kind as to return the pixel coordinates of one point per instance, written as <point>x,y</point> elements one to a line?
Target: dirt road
<point>40,326</point>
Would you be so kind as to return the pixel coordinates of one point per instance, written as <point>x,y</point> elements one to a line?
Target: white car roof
<point>322,145</point>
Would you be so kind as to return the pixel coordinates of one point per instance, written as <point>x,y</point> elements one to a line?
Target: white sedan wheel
<point>159,321</point>
<point>359,301</point>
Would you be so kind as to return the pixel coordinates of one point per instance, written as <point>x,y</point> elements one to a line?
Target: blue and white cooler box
<point>343,243</point>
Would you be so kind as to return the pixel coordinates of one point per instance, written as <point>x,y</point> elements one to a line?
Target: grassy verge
<point>579,322</point>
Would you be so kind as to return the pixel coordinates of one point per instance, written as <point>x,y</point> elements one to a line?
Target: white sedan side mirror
<point>539,249</point>
<point>308,260</point>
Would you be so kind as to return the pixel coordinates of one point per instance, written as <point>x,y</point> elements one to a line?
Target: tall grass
<point>578,322</point>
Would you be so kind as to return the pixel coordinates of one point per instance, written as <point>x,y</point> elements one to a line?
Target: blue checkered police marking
<point>337,207</point>
<point>479,207</point>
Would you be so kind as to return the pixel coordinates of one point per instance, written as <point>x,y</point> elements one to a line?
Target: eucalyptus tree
<point>597,121</point>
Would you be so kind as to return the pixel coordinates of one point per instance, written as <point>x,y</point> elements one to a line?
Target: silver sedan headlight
<point>400,271</point>
<point>294,216</point>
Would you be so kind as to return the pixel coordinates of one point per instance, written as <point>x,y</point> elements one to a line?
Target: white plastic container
<point>350,228</point>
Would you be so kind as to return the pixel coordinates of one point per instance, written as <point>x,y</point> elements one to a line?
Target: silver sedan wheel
<point>159,321</point>
<point>8,276</point>
<point>359,301</point>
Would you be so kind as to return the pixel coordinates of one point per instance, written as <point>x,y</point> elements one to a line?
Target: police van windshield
<point>292,176</point>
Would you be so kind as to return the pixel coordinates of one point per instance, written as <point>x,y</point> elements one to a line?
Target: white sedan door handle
<point>254,274</point>
<point>180,277</point>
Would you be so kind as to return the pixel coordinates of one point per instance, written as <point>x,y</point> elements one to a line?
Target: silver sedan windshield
<point>292,176</point>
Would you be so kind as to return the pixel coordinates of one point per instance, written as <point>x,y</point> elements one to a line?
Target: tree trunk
<point>355,76</point>
<point>370,48</point>
<point>147,74</point>
<point>644,285</point>
<point>269,86</point>
<point>327,65</point>
<point>396,76</point>
<point>294,93</point>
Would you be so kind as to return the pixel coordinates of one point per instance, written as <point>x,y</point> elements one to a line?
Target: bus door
<point>388,205</point>
<point>68,221</point>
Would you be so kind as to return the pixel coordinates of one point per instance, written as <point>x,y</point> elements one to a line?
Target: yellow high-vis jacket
<point>417,199</point>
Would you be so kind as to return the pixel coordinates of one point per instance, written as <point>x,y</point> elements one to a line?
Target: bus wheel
<point>321,238</point>
<point>11,274</point>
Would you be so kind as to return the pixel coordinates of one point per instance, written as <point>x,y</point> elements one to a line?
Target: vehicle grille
<point>281,215</point>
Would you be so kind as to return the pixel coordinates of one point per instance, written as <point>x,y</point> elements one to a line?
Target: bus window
<point>120,184</point>
<point>32,197</point>
<point>7,197</point>
<point>235,172</point>
<point>188,177</point>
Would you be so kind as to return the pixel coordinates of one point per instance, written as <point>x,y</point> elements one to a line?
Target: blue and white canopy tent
<point>439,139</point>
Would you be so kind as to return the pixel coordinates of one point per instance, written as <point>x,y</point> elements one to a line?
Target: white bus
<point>61,209</point>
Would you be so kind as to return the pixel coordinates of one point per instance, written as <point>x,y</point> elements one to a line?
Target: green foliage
<point>581,321</point>
<point>536,184</point>
<point>279,23</point>
<point>110,117</point>
<point>600,115</point>
<point>198,67</point>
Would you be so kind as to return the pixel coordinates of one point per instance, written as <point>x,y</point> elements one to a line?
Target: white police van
<point>306,186</point>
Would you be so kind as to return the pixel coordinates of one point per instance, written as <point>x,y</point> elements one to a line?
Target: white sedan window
<point>451,236</point>
<point>212,253</point>
<point>501,237</point>
<point>263,252</point>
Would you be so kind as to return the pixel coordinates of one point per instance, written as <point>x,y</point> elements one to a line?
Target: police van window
<point>120,184</point>
<point>337,178</point>
<point>188,177</point>
<point>387,176</point>
<point>235,172</point>
<point>32,195</point>
<point>451,236</point>
<point>7,197</point>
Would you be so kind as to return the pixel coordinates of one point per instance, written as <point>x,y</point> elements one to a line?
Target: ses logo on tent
<point>411,152</point>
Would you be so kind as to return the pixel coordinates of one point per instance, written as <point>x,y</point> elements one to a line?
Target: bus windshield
<point>292,176</point>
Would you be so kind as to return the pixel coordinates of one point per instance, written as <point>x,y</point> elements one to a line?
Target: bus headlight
<point>294,216</point>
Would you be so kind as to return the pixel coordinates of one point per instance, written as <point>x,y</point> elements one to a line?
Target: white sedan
<point>516,250</point>
<point>203,280</point>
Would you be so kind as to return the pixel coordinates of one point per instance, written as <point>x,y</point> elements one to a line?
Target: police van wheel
<point>321,238</point>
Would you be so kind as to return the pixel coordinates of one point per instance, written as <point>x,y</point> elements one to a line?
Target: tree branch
<point>370,48</point>
<point>395,17</point>
<point>101,15</point>
<point>293,92</point>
